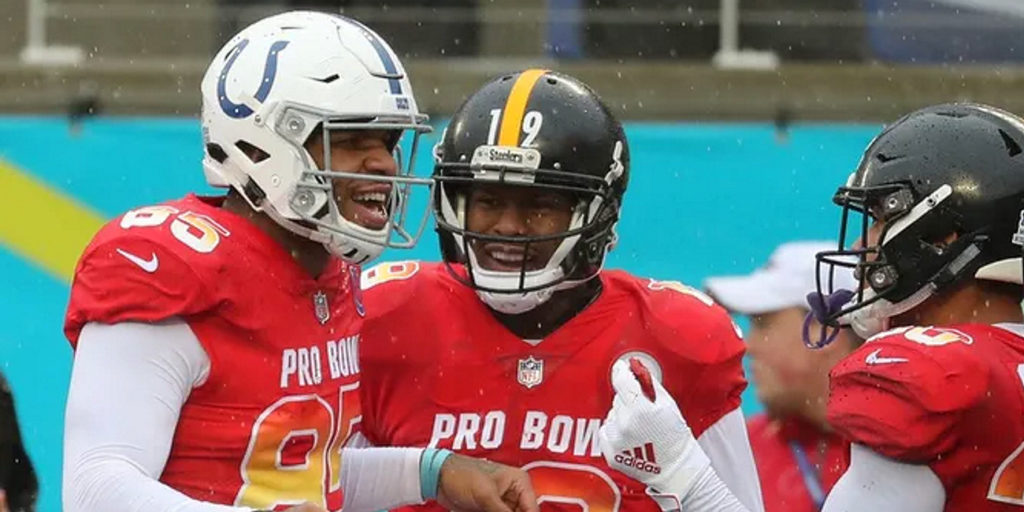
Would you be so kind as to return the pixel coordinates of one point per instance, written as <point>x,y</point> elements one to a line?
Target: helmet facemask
<point>911,259</point>
<point>947,184</point>
<point>314,210</point>
<point>578,256</point>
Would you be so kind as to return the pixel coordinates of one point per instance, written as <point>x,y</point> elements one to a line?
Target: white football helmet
<point>271,87</point>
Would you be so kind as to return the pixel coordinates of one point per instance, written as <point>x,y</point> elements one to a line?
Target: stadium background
<point>734,151</point>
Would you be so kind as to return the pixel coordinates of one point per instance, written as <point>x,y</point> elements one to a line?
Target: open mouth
<point>370,207</point>
<point>507,258</point>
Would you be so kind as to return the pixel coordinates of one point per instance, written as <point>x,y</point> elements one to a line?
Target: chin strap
<point>515,303</point>
<point>823,307</point>
<point>518,303</point>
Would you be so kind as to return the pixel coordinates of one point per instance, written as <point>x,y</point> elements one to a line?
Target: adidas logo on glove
<point>642,458</point>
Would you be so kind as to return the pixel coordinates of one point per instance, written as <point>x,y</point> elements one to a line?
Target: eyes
<point>533,202</point>
<point>366,141</point>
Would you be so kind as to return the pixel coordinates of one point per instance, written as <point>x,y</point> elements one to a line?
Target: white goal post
<point>37,51</point>
<point>729,55</point>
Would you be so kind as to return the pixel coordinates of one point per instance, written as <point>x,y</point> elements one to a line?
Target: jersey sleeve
<point>386,286</point>
<point>126,276</point>
<point>721,381</point>
<point>703,369</point>
<point>901,394</point>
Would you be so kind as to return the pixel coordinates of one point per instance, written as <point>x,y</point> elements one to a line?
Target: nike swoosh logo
<point>874,359</point>
<point>149,265</point>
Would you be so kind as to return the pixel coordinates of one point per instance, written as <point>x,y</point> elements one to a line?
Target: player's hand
<point>645,436</point>
<point>476,485</point>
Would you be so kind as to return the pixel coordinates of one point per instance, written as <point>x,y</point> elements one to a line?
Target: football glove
<point>646,438</point>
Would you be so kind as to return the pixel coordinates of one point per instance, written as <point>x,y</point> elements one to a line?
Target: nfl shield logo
<point>320,307</point>
<point>531,372</point>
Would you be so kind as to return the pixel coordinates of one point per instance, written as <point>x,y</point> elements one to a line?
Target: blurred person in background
<point>216,337</point>
<point>799,457</point>
<point>18,485</point>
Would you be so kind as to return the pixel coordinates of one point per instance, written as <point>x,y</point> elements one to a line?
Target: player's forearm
<point>707,494</point>
<point>728,447</point>
<point>710,494</point>
<point>102,483</point>
<point>696,490</point>
<point>128,384</point>
<point>726,477</point>
<point>380,478</point>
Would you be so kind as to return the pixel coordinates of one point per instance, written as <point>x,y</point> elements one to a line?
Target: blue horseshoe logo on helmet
<point>239,110</point>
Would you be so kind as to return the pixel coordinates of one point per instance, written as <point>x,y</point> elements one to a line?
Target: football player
<point>933,402</point>
<point>505,350</point>
<point>216,338</point>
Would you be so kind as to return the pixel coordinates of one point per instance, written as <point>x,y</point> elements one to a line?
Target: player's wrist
<point>430,471</point>
<point>678,477</point>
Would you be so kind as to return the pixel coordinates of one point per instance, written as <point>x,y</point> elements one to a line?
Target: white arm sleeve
<point>380,478</point>
<point>727,445</point>
<point>874,482</point>
<point>128,384</point>
<point>729,483</point>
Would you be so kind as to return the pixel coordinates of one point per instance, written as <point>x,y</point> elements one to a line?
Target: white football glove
<point>646,438</point>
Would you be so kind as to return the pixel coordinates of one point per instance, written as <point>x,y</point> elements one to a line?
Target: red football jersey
<point>267,427</point>
<point>785,486</point>
<point>948,397</point>
<point>442,371</point>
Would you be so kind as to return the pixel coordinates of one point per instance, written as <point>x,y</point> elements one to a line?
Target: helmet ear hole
<point>255,154</point>
<point>216,152</point>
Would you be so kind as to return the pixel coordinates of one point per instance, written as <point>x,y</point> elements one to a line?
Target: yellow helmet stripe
<point>515,107</point>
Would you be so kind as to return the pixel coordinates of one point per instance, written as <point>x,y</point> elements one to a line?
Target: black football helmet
<point>539,129</point>
<point>948,181</point>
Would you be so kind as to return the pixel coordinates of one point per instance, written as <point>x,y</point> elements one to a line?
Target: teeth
<point>371,197</point>
<point>505,257</point>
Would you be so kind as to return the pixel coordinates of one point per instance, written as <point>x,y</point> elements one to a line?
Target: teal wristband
<point>430,471</point>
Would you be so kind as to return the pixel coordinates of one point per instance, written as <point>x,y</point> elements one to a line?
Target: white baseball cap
<point>782,283</point>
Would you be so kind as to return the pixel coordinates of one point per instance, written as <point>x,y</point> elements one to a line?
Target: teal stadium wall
<point>704,199</point>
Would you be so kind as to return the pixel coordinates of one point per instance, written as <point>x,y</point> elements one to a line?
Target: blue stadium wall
<point>704,199</point>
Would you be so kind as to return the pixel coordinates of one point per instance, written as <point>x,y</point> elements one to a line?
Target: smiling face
<point>362,202</point>
<point>519,211</point>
